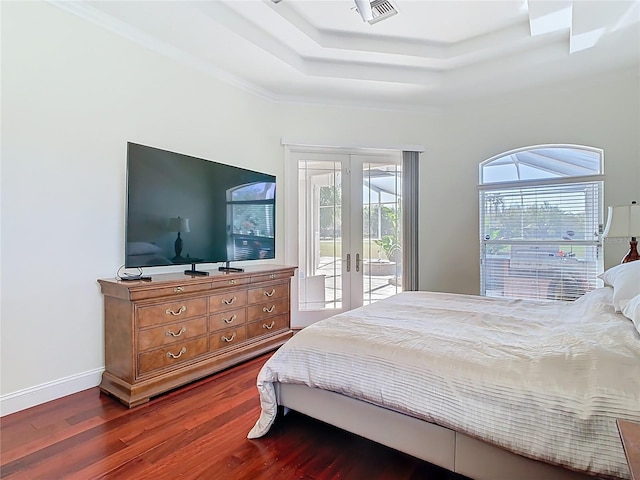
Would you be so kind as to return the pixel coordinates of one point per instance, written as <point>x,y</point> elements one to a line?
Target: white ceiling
<point>429,55</point>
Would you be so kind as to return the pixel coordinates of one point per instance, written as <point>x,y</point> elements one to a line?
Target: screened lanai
<point>541,163</point>
<point>371,227</point>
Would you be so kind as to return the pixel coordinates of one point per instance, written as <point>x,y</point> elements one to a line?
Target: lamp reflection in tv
<point>178,224</point>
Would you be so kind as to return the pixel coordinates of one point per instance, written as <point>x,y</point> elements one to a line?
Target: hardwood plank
<point>195,432</point>
<point>20,437</point>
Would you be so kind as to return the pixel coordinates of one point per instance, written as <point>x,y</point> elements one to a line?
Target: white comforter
<point>543,379</point>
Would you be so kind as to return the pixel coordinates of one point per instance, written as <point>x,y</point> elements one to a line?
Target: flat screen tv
<point>183,210</point>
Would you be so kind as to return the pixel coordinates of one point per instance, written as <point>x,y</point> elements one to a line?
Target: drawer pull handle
<point>268,310</point>
<point>171,334</point>
<point>232,282</point>
<point>229,320</point>
<point>270,326</point>
<point>178,289</point>
<point>171,355</point>
<point>270,294</point>
<point>230,339</point>
<point>272,275</point>
<point>228,302</point>
<point>183,309</point>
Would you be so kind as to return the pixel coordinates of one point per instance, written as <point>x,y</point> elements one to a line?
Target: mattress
<point>542,379</point>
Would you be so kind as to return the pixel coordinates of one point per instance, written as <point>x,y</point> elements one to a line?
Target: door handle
<point>348,262</point>
<point>357,262</point>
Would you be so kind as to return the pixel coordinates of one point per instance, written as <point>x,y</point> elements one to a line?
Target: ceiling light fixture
<point>374,11</point>
<point>363,7</point>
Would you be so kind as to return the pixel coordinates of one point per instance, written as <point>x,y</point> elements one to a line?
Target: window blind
<point>540,241</point>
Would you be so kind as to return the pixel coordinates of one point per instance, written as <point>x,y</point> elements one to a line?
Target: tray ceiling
<point>429,55</point>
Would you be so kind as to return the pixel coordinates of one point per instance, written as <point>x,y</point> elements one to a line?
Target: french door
<point>343,231</point>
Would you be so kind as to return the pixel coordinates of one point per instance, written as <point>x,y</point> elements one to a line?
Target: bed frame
<point>438,445</point>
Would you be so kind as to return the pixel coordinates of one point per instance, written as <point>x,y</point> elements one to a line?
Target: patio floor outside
<point>376,287</point>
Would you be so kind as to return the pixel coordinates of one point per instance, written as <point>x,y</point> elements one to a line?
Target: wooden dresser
<point>177,328</point>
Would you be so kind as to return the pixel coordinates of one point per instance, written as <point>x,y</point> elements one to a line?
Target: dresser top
<point>180,282</point>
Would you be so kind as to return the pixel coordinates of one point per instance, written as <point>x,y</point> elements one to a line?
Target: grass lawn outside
<point>370,251</point>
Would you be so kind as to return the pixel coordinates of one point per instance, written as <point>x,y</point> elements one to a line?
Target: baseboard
<point>32,396</point>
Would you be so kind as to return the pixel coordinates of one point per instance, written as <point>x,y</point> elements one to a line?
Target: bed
<point>489,388</point>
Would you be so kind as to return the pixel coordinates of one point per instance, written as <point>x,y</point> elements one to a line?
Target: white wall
<point>603,112</point>
<point>74,94</point>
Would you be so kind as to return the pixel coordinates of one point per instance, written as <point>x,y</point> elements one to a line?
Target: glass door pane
<point>320,214</point>
<point>382,230</point>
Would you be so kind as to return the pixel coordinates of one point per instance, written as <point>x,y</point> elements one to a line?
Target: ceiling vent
<point>381,10</point>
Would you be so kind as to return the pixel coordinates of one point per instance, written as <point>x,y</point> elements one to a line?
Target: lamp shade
<point>179,224</point>
<point>623,221</point>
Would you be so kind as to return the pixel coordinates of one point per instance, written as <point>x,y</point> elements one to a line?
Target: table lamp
<point>623,221</point>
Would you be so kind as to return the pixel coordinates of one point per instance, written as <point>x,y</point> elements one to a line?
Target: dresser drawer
<point>225,281</point>
<point>230,318</point>
<point>268,277</point>
<point>227,338</point>
<point>148,293</point>
<point>170,355</point>
<point>171,333</point>
<point>227,301</point>
<point>269,292</point>
<point>268,309</point>
<point>267,325</point>
<point>171,311</point>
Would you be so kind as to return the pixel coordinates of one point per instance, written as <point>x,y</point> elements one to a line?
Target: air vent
<point>381,9</point>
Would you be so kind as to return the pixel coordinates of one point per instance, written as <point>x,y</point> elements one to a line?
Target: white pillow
<point>625,280</point>
<point>632,311</point>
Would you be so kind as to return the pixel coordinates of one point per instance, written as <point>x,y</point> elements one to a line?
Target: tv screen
<point>187,210</point>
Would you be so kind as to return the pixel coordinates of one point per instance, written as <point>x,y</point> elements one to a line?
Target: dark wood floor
<point>196,432</point>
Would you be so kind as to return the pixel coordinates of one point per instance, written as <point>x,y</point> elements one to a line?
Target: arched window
<point>540,222</point>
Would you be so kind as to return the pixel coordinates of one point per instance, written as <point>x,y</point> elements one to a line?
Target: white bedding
<point>543,379</point>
